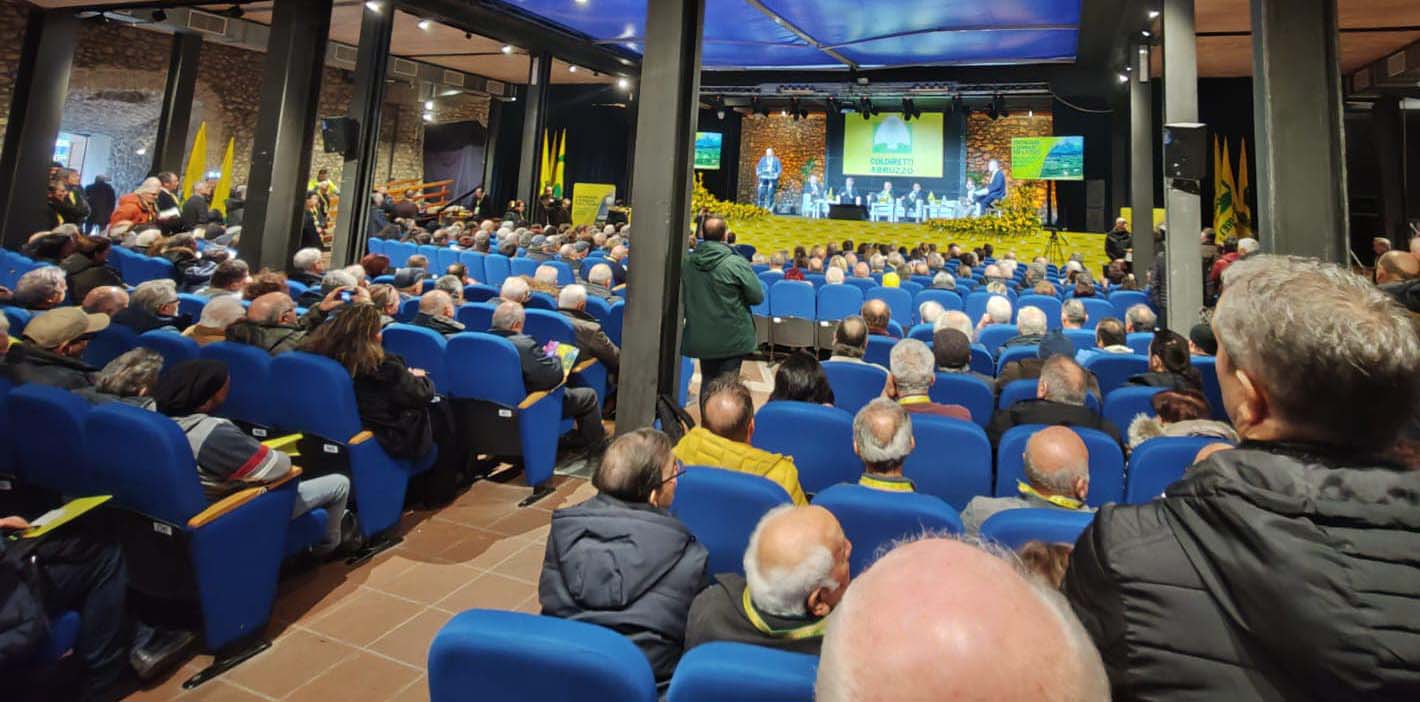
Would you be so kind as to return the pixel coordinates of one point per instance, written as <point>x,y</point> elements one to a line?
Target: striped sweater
<point>227,459</point>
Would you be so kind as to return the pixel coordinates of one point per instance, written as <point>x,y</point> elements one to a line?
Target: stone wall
<point>795,142</point>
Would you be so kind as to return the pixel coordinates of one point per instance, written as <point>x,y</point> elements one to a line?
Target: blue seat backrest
<point>721,507</point>
<point>1081,338</point>
<point>1049,305</point>
<point>1123,404</point>
<point>1160,462</point>
<point>820,440</point>
<point>721,671</point>
<point>473,264</point>
<point>946,298</point>
<point>497,268</point>
<point>479,293</point>
<point>899,301</point>
<point>47,425</point>
<point>524,266</point>
<point>880,350</point>
<point>873,518</point>
<point>952,459</point>
<point>993,335</point>
<point>547,326</point>
<point>1114,369</point>
<point>792,298</point>
<point>155,473</point>
<point>965,390</point>
<point>1013,528</point>
<point>1139,342</point>
<point>109,344</point>
<point>317,396</point>
<point>516,656</point>
<point>1015,353</point>
<point>420,347</point>
<point>1106,463</point>
<point>854,384</point>
<point>174,347</point>
<point>476,316</point>
<point>1208,368</point>
<point>250,396</point>
<point>1095,310</point>
<point>1124,299</point>
<point>485,367</point>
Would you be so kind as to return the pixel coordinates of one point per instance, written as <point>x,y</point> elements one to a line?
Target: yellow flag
<point>196,161</point>
<point>1240,206</point>
<point>224,185</point>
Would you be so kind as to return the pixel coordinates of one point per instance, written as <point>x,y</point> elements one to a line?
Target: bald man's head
<point>727,410</point>
<point>796,564</point>
<point>876,313</point>
<point>1396,267</point>
<point>272,308</point>
<point>1057,463</point>
<point>939,619</point>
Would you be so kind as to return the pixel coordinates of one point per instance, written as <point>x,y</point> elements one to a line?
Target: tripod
<point>1055,248</point>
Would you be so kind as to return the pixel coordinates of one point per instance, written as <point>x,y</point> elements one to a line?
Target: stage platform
<point>776,232</point>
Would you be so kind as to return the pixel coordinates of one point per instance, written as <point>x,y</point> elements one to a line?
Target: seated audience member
<point>87,268</point>
<point>620,560</point>
<point>131,378</point>
<point>218,314</point>
<point>796,571</point>
<point>951,350</point>
<point>1073,315</point>
<point>41,289</point>
<point>544,372</point>
<point>913,372</point>
<point>1057,467</point>
<point>452,286</point>
<point>385,299</point>
<point>1140,319</point>
<point>722,439</point>
<point>599,281</point>
<point>1030,328</point>
<point>800,378</point>
<point>882,438</point>
<point>264,282</point>
<point>109,300</point>
<point>1276,570</point>
<point>1060,399</point>
<point>271,323</point>
<point>850,340</point>
<point>154,305</point>
<point>515,289</point>
<point>998,311</point>
<point>52,349</point>
<point>1179,413</point>
<point>592,341</point>
<point>1169,364</point>
<point>1109,338</point>
<point>876,314</point>
<point>436,312</point>
<point>228,460</point>
<point>1052,344</point>
<point>1201,341</point>
<point>375,265</point>
<point>933,620</point>
<point>230,278</point>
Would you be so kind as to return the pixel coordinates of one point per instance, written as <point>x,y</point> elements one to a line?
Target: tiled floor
<point>362,634</point>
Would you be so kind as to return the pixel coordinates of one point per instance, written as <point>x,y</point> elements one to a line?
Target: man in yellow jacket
<point>722,440</point>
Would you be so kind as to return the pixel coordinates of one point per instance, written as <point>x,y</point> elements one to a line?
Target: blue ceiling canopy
<point>838,34</point>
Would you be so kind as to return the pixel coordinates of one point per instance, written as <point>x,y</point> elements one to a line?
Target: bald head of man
<point>796,564</point>
<point>272,308</point>
<point>931,620</point>
<point>727,409</point>
<point>1397,267</point>
<point>1058,464</point>
<point>876,313</point>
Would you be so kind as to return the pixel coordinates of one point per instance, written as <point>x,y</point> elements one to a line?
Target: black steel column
<point>534,121</point>
<point>41,83</point>
<point>1183,205</point>
<point>1301,164</point>
<point>665,137</point>
<point>285,131</point>
<point>174,120</point>
<point>357,179</point>
<point>1142,135</point>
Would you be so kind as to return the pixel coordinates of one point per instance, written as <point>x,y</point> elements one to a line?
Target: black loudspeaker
<point>338,134</point>
<point>1186,151</point>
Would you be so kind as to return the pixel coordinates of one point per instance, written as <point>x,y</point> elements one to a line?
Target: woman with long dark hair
<point>1169,364</point>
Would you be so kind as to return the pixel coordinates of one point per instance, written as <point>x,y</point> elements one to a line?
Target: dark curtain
<point>724,181</point>
<point>454,151</point>
<point>598,125</point>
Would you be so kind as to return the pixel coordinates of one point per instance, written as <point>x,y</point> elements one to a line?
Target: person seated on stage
<point>796,571</point>
<point>436,313</point>
<point>882,438</point>
<point>850,194</point>
<point>877,314</point>
<point>1140,319</point>
<point>1060,399</point>
<point>723,438</point>
<point>1057,468</point>
<point>592,341</point>
<point>1109,338</point>
<point>913,372</point>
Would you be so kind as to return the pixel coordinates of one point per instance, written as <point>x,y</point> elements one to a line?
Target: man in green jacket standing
<point>720,287</point>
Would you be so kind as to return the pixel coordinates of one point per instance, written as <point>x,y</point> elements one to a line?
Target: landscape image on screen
<point>1048,158</point>
<point>707,150</point>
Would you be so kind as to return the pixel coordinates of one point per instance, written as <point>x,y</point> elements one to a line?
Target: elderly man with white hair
<point>1030,327</point>
<point>592,341</point>
<point>1282,568</point>
<point>882,439</point>
<point>942,619</point>
<point>913,371</point>
<point>307,267</point>
<point>218,314</point>
<point>796,571</point>
<point>436,313</point>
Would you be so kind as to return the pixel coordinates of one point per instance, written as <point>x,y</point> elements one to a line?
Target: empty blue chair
<point>1016,392</point>
<point>1160,462</point>
<point>318,400</point>
<point>112,342</point>
<point>855,384</point>
<point>898,300</point>
<point>1106,463</point>
<point>834,303</point>
<point>172,346</point>
<point>47,427</point>
<point>477,316</point>
<point>473,263</point>
<point>1096,309</point>
<point>191,305</point>
<point>982,360</point>
<point>494,408</point>
<point>792,311</point>
<point>506,656</point>
<point>872,518</point>
<point>952,459</point>
<point>965,390</point>
<point>1208,368</point>
<point>420,347</point>
<point>992,336</point>
<point>1113,370</point>
<point>721,507</point>
<point>1124,299</point>
<point>818,438</point>
<point>1139,342</point>
<point>948,299</point>
<point>1081,338</point>
<point>497,268</point>
<point>1123,404</point>
<point>1013,528</point>
<point>880,350</point>
<point>478,292</point>
<point>721,671</point>
<point>1015,353</point>
<point>249,398</point>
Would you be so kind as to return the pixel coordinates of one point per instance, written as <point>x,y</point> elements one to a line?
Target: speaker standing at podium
<point>768,171</point>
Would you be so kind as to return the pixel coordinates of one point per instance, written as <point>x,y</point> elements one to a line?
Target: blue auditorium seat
<point>1114,370</point>
<point>1124,403</point>
<point>1159,463</point>
<point>855,384</point>
<point>497,656</point>
<point>872,519</point>
<point>820,440</point>
<point>721,507</point>
<point>420,347</point>
<point>952,459</point>
<point>721,671</point>
<point>1106,463</point>
<point>250,397</point>
<point>1012,528</point>
<point>172,346</point>
<point>965,390</point>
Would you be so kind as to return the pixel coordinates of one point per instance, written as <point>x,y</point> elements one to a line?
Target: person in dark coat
<point>102,199</point>
<point>1282,569</point>
<point>52,349</point>
<point>1060,399</point>
<point>620,560</point>
<point>86,268</point>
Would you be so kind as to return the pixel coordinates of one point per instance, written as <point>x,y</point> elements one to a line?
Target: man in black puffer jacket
<point>1287,568</point>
